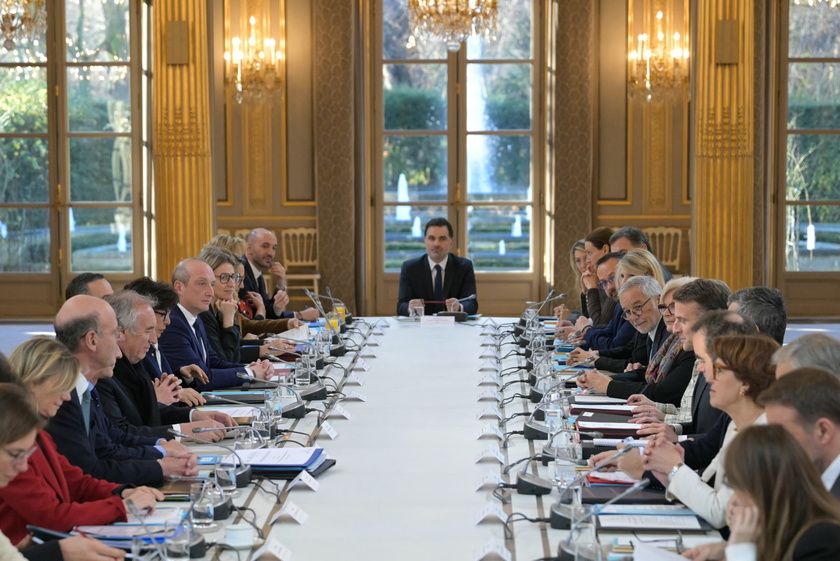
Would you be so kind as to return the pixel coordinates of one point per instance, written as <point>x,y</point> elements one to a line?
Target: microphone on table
<point>531,483</point>
<point>460,315</point>
<point>254,432</point>
<point>348,317</point>
<point>243,472</point>
<point>338,347</point>
<point>319,362</point>
<point>561,515</point>
<point>564,549</point>
<point>132,508</point>
<point>312,392</point>
<point>295,412</point>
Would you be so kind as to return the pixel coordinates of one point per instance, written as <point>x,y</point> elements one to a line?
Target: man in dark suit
<point>129,397</point>
<point>260,249</point>
<point>185,342</point>
<point>437,276</point>
<point>81,430</point>
<point>806,401</point>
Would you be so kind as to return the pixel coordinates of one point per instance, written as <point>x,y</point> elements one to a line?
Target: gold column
<point>184,200</point>
<point>724,191</point>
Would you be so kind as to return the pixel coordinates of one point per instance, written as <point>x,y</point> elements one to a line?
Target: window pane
<point>513,33</point>
<point>498,168</point>
<point>24,240</point>
<point>415,168</point>
<point>26,51</point>
<point>397,39</point>
<point>414,96</point>
<point>24,170</point>
<point>100,169</point>
<point>499,238</point>
<point>404,232</point>
<point>813,167</point>
<point>812,238</point>
<point>814,30</point>
<point>97,31</point>
<point>99,98</point>
<point>813,96</point>
<point>100,239</point>
<point>498,97</point>
<point>23,103</point>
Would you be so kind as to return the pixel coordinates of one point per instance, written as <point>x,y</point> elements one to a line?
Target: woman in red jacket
<point>52,493</point>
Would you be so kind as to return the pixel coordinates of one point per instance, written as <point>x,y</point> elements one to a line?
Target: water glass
<point>417,311</point>
<point>201,509</point>
<point>226,476</point>
<point>178,540</point>
<point>303,374</point>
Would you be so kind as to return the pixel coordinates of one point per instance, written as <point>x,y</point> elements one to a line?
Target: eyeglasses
<point>635,310</point>
<point>717,367</point>
<point>22,456</point>
<point>162,314</point>
<point>225,278</point>
<point>670,308</point>
<point>605,283</point>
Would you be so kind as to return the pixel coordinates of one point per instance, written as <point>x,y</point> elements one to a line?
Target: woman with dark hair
<point>780,508</point>
<point>595,304</point>
<point>738,368</point>
<point>19,427</point>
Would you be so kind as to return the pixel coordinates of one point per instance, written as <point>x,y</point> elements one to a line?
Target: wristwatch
<point>673,472</point>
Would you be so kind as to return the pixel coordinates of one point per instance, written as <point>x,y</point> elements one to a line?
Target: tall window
<point>458,139</point>
<point>812,201</point>
<point>70,123</point>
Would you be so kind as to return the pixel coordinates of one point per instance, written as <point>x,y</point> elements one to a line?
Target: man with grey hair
<point>816,350</point>
<point>765,306</point>
<point>82,432</point>
<point>668,367</point>
<point>128,398</point>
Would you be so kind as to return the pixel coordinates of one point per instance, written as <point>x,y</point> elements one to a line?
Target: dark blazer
<point>416,282</point>
<point>121,411</point>
<point>617,333</point>
<point>180,346</point>
<point>703,415</point>
<point>150,364</point>
<point>227,341</point>
<point>56,495</point>
<point>702,450</point>
<point>637,350</point>
<point>141,408</point>
<point>253,284</point>
<point>599,306</point>
<point>96,453</point>
<point>820,542</point>
<point>669,389</point>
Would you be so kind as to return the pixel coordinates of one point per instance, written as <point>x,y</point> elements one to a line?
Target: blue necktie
<point>86,409</point>
<point>438,283</point>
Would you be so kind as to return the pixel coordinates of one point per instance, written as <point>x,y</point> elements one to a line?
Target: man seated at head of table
<point>260,249</point>
<point>667,367</point>
<point>185,340</point>
<point>52,493</point>
<point>92,284</point>
<point>88,327</point>
<point>437,276</point>
<point>128,398</point>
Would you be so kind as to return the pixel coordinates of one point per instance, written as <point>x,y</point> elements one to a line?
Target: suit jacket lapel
<point>427,278</point>
<point>449,277</point>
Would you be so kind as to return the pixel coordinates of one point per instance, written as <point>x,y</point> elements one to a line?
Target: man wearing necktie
<point>439,280</point>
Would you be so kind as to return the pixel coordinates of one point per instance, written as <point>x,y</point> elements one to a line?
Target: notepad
<point>605,407</point>
<point>278,457</point>
<point>589,425</point>
<point>648,522</point>
<point>599,399</point>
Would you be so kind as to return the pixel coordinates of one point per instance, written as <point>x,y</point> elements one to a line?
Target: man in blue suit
<point>185,342</point>
<point>437,276</point>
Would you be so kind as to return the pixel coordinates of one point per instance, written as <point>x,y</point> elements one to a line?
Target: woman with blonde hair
<point>780,508</point>
<point>53,493</point>
<point>638,263</point>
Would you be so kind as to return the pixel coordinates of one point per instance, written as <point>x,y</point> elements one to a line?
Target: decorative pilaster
<point>184,199</point>
<point>724,189</point>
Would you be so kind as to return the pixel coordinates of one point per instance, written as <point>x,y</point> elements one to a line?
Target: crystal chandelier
<point>452,21</point>
<point>21,20</point>
<point>659,63</point>
<point>254,67</point>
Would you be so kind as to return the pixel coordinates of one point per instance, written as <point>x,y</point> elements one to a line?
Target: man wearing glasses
<point>668,366</point>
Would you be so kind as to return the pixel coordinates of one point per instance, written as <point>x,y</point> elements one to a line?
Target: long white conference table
<point>406,481</point>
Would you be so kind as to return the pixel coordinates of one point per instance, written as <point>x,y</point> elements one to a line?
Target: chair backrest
<point>667,243</point>
<point>299,246</point>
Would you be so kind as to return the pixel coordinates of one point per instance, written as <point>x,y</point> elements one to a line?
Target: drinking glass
<point>341,309</point>
<point>178,540</point>
<point>226,475</point>
<point>201,509</point>
<point>303,374</point>
<point>417,311</point>
<point>334,321</point>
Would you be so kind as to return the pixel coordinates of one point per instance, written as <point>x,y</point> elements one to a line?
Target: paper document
<point>648,521</point>
<point>603,407</point>
<point>669,510</point>
<point>159,517</point>
<point>614,476</point>
<point>599,399</point>
<point>648,552</point>
<point>232,411</point>
<point>613,442</point>
<point>298,333</point>
<point>277,456</point>
<point>589,425</point>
